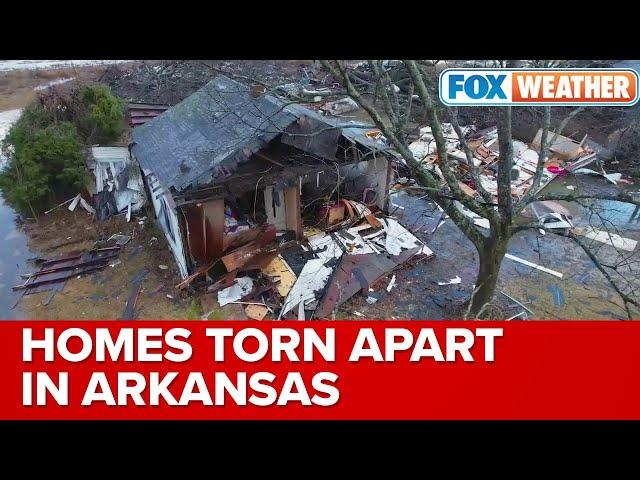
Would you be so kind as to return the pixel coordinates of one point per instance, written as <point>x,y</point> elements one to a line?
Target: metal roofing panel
<point>207,130</point>
<point>110,154</point>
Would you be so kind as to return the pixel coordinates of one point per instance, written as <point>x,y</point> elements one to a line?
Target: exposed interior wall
<point>372,174</point>
<point>192,215</point>
<point>275,208</point>
<point>213,224</point>
<point>168,219</point>
<point>292,202</point>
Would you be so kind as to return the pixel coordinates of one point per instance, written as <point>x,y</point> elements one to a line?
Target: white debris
<point>477,219</point>
<point>533,265</point>
<point>453,281</point>
<point>313,277</point>
<point>553,220</point>
<point>235,292</point>
<point>74,203</point>
<point>612,177</point>
<point>86,206</point>
<point>398,237</point>
<point>609,238</point>
<point>392,283</point>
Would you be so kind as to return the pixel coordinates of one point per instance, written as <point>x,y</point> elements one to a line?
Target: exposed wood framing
<point>213,216</point>
<point>294,217</point>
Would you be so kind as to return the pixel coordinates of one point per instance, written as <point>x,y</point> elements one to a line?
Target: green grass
<point>217,314</point>
<point>194,312</point>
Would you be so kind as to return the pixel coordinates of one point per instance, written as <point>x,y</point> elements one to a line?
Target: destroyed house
<point>231,165</point>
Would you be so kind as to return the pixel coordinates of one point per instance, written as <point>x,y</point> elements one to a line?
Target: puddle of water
<point>13,260</point>
<point>13,242</point>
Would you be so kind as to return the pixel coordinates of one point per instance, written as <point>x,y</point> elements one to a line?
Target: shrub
<point>45,161</point>
<point>101,116</point>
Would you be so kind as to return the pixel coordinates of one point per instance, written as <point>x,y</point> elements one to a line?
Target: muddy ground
<point>584,293</point>
<point>103,295</point>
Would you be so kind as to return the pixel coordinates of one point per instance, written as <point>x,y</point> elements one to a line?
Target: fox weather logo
<point>559,86</point>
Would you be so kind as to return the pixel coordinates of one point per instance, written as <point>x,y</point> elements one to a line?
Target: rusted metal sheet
<point>61,269</point>
<point>141,113</point>
<point>354,273</point>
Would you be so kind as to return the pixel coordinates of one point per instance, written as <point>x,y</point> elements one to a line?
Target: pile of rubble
<point>566,155</point>
<point>309,279</point>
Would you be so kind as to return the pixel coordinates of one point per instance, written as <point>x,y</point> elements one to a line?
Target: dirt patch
<point>103,294</point>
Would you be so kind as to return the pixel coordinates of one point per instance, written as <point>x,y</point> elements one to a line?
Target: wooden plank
<point>292,203</point>
<point>373,221</point>
<point>213,215</point>
<point>256,312</point>
<point>279,268</point>
<point>235,240</point>
<point>533,265</point>
<point>243,255</point>
<point>268,159</point>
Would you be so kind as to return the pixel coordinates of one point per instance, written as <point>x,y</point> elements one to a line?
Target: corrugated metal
<point>141,113</point>
<point>110,154</point>
<point>115,172</point>
<point>216,126</point>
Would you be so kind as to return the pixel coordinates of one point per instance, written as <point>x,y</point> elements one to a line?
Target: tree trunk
<point>490,259</point>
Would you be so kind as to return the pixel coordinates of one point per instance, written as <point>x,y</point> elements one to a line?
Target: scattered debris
<point>372,298</point>
<point>533,265</point>
<point>256,312</point>
<point>454,281</point>
<point>163,267</point>
<point>120,240</point>
<point>61,204</point>
<point>140,113</point>
<point>132,301</point>
<point>522,314</point>
<point>517,302</point>
<point>558,297</point>
<point>60,269</point>
<point>358,314</point>
<point>607,237</point>
<point>241,287</point>
<point>119,185</point>
<point>392,283</point>
<point>340,107</point>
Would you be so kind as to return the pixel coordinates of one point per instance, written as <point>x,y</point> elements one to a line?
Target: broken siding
<point>167,217</point>
<point>369,176</point>
<point>115,172</point>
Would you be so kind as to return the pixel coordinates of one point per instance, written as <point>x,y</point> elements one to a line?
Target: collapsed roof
<point>206,131</point>
<point>220,126</point>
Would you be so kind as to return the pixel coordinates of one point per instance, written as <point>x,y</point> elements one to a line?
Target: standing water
<point>13,242</point>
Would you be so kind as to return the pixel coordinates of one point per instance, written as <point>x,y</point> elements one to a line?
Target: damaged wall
<point>168,219</point>
<point>373,174</point>
<point>275,208</point>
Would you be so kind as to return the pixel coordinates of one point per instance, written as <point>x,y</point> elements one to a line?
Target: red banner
<point>320,370</point>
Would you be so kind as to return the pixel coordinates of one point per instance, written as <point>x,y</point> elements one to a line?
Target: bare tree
<point>390,108</point>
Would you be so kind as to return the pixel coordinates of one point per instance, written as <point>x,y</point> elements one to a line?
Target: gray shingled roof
<point>217,127</point>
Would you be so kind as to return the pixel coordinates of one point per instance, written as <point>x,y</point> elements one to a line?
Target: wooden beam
<point>213,217</point>
<point>292,203</point>
<point>268,159</point>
